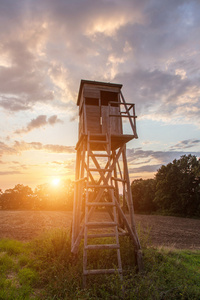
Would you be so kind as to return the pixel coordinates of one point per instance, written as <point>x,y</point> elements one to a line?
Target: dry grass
<point>179,233</point>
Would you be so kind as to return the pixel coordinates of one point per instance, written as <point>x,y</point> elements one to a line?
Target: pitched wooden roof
<point>95,83</point>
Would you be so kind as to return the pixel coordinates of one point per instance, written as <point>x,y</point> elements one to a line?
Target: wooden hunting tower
<point>102,180</point>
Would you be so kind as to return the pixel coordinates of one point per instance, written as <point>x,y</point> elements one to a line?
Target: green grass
<point>45,269</point>
<point>18,277</point>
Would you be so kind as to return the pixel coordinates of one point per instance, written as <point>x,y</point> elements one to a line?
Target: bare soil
<point>181,233</point>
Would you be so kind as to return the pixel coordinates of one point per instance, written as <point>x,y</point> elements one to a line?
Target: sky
<point>152,47</point>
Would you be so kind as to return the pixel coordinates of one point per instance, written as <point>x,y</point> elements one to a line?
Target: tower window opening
<point>106,97</point>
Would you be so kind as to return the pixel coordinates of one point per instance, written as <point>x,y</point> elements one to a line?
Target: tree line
<point>174,190</point>
<point>44,197</point>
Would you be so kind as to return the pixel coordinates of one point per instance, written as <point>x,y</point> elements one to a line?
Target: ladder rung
<point>101,271</point>
<point>99,170</point>
<point>101,235</point>
<point>102,246</point>
<point>100,203</point>
<point>101,224</point>
<point>100,186</point>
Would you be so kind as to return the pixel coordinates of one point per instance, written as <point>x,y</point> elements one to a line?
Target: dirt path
<point>164,231</point>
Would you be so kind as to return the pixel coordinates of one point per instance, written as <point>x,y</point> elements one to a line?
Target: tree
<point>178,186</point>
<point>20,197</point>
<point>143,193</point>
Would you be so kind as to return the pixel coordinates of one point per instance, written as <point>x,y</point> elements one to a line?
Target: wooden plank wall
<point>93,118</point>
<point>93,112</point>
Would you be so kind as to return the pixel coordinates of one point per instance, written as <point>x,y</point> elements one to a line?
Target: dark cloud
<point>14,104</point>
<point>147,168</point>
<point>168,95</point>
<point>169,28</point>
<point>40,121</point>
<point>147,158</point>
<point>163,157</point>
<point>186,144</point>
<point>143,44</point>
<point>22,70</point>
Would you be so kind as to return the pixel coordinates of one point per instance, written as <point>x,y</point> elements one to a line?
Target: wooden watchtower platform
<point>102,179</point>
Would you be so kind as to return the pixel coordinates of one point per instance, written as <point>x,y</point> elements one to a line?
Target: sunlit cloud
<point>20,146</point>
<point>5,149</point>
<point>24,146</point>
<point>4,173</point>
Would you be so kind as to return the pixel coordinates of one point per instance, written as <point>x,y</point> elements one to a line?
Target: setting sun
<point>56,181</point>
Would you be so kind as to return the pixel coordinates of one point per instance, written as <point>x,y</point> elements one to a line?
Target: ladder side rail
<point>81,184</point>
<point>75,204</point>
<point>129,229</point>
<point>114,207</point>
<point>130,200</point>
<point>86,215</point>
<point>108,150</point>
<point>120,221</point>
<point>123,180</point>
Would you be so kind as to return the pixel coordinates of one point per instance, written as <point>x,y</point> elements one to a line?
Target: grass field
<point>45,269</point>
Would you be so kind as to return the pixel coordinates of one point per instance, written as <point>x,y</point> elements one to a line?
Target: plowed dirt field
<point>174,232</point>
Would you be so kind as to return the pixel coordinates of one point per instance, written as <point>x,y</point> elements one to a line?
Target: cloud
<point>39,122</point>
<point>150,46</point>
<point>9,173</point>
<point>5,149</point>
<point>151,161</point>
<point>186,144</point>
<point>134,155</point>
<point>23,79</point>
<point>20,146</point>
<point>135,42</point>
<point>147,168</point>
<point>14,104</point>
<point>24,146</point>
<point>160,95</point>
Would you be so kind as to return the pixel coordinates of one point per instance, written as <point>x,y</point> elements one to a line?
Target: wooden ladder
<point>103,229</point>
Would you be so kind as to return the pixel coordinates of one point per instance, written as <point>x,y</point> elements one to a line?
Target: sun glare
<point>56,181</point>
